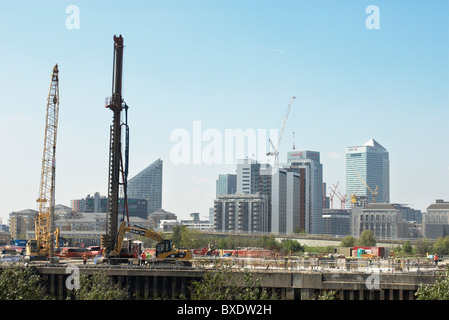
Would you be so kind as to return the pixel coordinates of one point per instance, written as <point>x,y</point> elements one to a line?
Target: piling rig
<point>118,167</point>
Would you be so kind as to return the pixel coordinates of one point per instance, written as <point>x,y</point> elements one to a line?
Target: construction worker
<point>142,258</point>
<point>435,258</point>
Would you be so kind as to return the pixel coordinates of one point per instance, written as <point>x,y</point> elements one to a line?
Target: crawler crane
<point>46,236</point>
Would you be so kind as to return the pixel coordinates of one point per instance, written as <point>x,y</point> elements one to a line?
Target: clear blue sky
<point>229,64</point>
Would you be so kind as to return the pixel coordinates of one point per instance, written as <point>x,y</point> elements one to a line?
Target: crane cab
<point>163,247</point>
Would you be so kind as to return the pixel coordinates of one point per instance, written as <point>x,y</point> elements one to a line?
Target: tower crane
<point>354,197</point>
<point>342,199</point>
<point>45,233</point>
<point>117,167</point>
<point>275,151</point>
<point>373,193</point>
<point>331,197</point>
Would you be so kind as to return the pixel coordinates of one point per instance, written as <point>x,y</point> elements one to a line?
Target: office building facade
<point>226,184</point>
<point>336,222</point>
<point>147,185</point>
<point>385,220</point>
<point>248,171</point>
<point>307,164</point>
<point>285,202</point>
<point>435,221</point>
<point>241,213</point>
<point>368,172</point>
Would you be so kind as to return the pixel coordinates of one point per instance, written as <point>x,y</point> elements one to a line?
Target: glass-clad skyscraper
<point>147,184</point>
<point>368,173</point>
<point>226,184</point>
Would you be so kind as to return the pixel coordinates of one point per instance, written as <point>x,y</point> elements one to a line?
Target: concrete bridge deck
<point>153,283</point>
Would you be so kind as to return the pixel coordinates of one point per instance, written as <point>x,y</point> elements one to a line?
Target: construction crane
<point>354,197</point>
<point>117,167</point>
<point>342,199</point>
<point>331,196</point>
<point>275,151</point>
<point>46,236</point>
<point>373,193</point>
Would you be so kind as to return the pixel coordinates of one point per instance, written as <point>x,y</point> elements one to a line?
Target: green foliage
<point>437,291</point>
<point>223,282</point>
<point>366,239</point>
<point>270,243</point>
<point>326,295</point>
<point>21,283</point>
<point>404,249</point>
<point>291,246</point>
<point>348,241</point>
<point>99,287</point>
<point>317,249</point>
<point>407,247</point>
<point>183,237</point>
<point>423,246</point>
<point>441,245</point>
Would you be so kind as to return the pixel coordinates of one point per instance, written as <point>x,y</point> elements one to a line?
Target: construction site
<point>167,271</point>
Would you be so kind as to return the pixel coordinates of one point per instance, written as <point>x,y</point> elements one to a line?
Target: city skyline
<point>226,65</point>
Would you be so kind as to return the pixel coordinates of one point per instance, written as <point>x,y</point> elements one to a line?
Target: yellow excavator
<point>166,253</point>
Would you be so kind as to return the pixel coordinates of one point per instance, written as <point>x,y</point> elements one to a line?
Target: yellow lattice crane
<point>45,233</point>
<point>373,193</point>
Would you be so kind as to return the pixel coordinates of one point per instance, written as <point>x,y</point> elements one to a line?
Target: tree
<point>99,286</point>
<point>366,239</point>
<point>21,283</point>
<point>438,291</point>
<point>290,246</point>
<point>423,246</point>
<point>223,283</point>
<point>269,243</point>
<point>176,236</point>
<point>347,241</point>
<point>441,245</point>
<point>183,237</point>
<point>407,247</point>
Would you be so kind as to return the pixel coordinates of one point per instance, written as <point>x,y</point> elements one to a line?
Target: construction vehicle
<point>166,254</point>
<point>118,169</point>
<point>113,242</point>
<point>46,235</point>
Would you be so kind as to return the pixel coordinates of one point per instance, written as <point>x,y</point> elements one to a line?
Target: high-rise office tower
<point>285,202</point>
<point>147,184</point>
<point>307,165</point>
<point>254,177</point>
<point>368,173</point>
<point>226,184</point>
<point>248,171</point>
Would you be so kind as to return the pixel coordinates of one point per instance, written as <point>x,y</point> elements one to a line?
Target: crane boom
<point>373,193</point>
<point>275,151</point>
<point>285,120</point>
<point>44,222</point>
